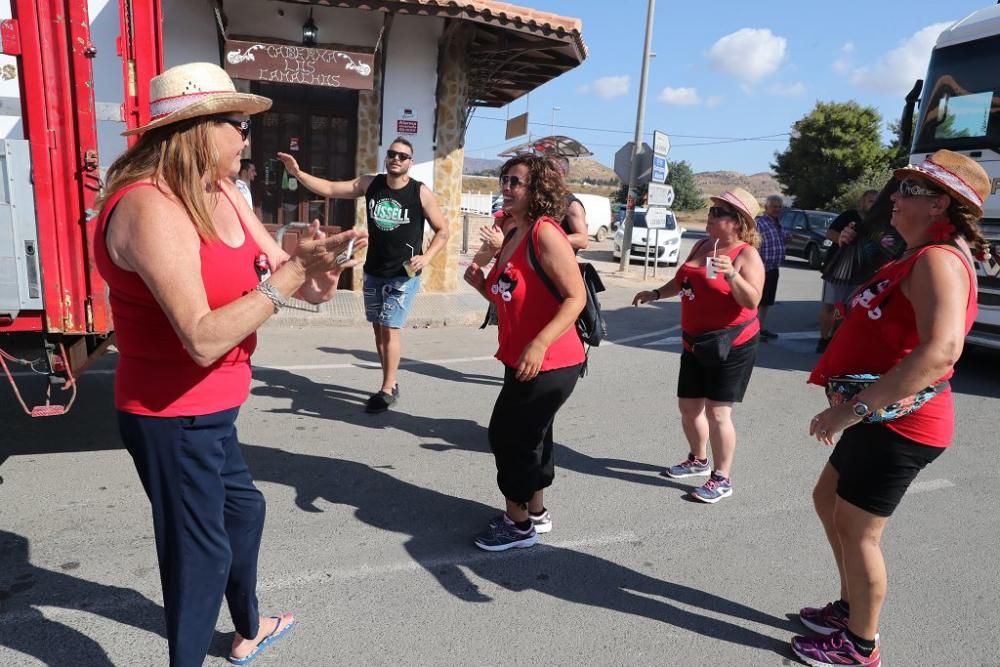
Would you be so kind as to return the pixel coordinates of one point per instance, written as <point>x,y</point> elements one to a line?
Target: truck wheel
<point>602,233</point>
<point>814,257</point>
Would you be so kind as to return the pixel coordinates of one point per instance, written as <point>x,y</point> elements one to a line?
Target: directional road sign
<point>661,143</point>
<point>660,195</point>
<point>660,169</point>
<point>656,217</point>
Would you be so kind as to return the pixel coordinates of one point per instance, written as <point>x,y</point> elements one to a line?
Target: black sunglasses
<point>242,126</point>
<point>721,212</point>
<point>396,155</point>
<point>511,181</point>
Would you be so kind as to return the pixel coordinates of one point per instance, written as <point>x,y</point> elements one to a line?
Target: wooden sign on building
<point>289,63</point>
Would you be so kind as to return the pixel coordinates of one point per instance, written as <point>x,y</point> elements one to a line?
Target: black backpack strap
<point>537,265</point>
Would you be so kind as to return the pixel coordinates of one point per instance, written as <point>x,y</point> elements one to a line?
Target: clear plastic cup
<point>409,269</point>
<point>710,268</point>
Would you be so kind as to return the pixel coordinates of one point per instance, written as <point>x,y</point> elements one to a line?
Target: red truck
<point>54,312</point>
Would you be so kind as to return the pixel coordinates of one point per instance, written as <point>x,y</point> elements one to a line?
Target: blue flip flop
<point>264,643</point>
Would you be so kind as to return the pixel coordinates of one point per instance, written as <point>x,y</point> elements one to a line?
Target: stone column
<point>366,155</point>
<point>449,156</point>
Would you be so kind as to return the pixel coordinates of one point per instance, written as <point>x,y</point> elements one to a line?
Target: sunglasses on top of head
<point>241,126</point>
<point>511,181</point>
<point>721,212</point>
<point>911,188</point>
<point>396,155</point>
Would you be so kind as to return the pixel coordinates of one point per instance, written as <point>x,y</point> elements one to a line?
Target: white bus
<point>960,111</point>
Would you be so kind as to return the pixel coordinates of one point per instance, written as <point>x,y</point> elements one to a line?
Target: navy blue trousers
<point>207,517</point>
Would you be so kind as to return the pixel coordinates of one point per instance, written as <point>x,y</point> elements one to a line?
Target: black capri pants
<point>520,430</point>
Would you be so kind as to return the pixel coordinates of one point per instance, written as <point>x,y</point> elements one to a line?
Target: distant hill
<point>760,185</point>
<point>590,171</point>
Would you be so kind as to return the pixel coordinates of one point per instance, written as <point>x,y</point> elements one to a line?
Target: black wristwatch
<point>860,408</point>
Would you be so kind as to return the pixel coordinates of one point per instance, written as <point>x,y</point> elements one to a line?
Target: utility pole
<point>637,144</point>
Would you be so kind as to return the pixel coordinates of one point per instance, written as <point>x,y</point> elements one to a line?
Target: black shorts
<point>876,466</point>
<point>770,290</point>
<point>520,430</point>
<point>725,383</point>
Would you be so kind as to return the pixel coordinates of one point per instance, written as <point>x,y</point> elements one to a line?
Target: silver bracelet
<point>268,290</point>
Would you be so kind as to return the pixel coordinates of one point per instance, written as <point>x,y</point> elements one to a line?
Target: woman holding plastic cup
<point>720,286</point>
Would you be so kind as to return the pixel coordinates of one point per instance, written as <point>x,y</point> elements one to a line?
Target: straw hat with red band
<point>745,204</point>
<point>193,90</point>
<point>957,175</point>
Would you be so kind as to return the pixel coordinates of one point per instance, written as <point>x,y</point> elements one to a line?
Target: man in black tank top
<point>397,207</point>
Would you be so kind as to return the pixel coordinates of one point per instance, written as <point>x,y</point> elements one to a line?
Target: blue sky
<point>725,69</point>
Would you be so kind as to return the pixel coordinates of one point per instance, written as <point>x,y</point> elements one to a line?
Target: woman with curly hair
<point>720,285</point>
<point>887,375</point>
<point>539,346</point>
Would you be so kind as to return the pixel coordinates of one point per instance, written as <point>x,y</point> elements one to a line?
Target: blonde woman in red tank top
<point>192,274</point>
<point>906,325</point>
<point>720,285</point>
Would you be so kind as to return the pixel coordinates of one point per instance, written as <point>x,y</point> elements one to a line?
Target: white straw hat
<point>192,90</point>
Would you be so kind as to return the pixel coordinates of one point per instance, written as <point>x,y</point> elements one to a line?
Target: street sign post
<point>660,195</point>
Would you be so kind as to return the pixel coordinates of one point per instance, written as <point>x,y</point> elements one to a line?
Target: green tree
<point>870,179</point>
<point>686,194</point>
<point>831,147</point>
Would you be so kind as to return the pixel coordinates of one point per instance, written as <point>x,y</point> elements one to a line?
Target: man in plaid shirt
<point>772,251</point>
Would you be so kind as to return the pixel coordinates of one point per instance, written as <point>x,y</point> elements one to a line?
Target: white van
<point>598,215</point>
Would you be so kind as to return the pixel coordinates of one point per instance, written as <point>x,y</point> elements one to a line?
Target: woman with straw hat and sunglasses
<point>720,285</point>
<point>886,371</point>
<point>192,274</point>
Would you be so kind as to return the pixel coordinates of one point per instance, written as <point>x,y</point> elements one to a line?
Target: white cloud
<point>843,62</point>
<point>607,87</point>
<point>680,97</point>
<point>749,54</point>
<point>714,101</point>
<point>787,89</point>
<point>896,71</point>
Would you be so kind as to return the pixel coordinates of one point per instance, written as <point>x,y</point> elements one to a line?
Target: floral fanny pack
<point>843,388</point>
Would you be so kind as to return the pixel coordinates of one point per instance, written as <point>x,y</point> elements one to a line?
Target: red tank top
<point>879,331</point>
<point>156,376</point>
<point>525,305</point>
<point>707,305</point>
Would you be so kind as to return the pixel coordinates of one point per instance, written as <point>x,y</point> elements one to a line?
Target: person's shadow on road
<point>422,367</point>
<point>440,528</point>
<point>344,404</point>
<point>24,588</point>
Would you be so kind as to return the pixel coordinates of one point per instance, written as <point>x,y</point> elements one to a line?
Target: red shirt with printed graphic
<point>525,306</point>
<point>879,331</point>
<point>156,376</point>
<point>708,304</point>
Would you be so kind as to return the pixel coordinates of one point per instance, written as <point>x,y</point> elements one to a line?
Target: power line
<point>648,134</point>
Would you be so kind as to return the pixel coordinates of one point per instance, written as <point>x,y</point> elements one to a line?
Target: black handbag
<point>713,347</point>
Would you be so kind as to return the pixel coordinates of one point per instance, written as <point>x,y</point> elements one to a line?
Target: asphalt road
<point>370,518</point>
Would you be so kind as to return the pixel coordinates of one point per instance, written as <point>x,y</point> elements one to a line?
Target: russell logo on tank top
<point>388,214</point>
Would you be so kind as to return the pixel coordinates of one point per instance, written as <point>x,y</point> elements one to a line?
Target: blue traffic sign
<point>660,171</point>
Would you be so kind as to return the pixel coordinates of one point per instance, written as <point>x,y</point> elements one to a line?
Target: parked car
<point>668,250</point>
<point>805,235</point>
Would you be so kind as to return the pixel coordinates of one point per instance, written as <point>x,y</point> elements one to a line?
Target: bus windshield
<point>960,108</point>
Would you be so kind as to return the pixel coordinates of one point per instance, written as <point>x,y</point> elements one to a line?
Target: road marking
<point>471,556</point>
<point>785,335</point>
<point>650,334</point>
